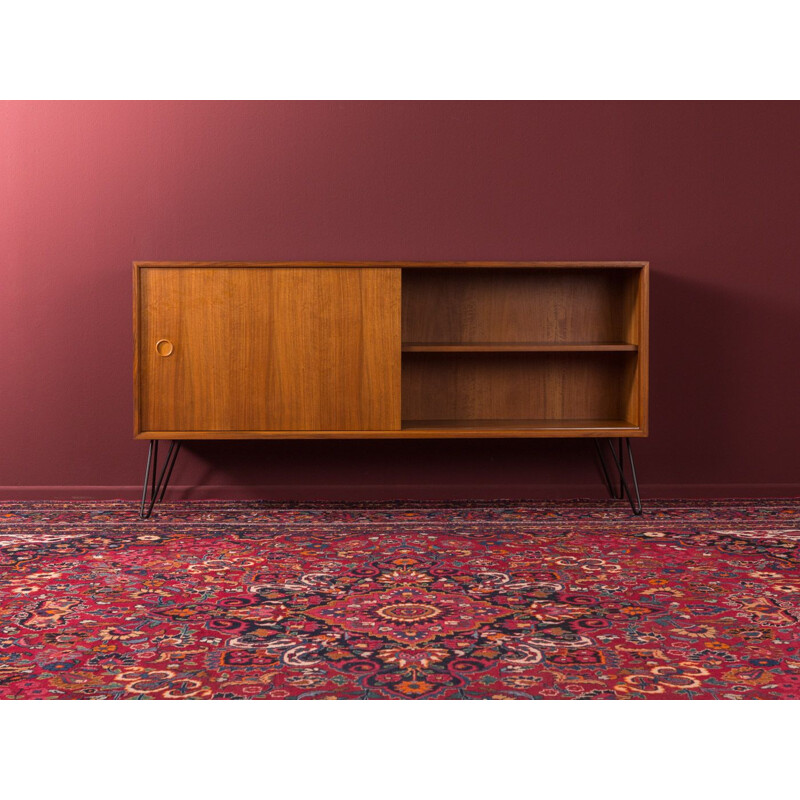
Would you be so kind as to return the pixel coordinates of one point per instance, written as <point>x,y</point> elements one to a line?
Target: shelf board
<point>517,427</point>
<point>518,347</point>
<point>434,429</point>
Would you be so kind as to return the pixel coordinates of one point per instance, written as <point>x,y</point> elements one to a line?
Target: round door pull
<point>164,347</point>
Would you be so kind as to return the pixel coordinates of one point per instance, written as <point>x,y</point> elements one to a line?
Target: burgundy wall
<point>708,192</point>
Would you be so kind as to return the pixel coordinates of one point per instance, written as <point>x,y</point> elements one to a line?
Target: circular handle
<point>164,347</point>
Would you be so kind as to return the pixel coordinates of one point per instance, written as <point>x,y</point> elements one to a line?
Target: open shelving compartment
<point>525,351</point>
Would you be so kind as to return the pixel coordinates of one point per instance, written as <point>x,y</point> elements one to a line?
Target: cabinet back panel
<point>494,386</point>
<point>518,305</point>
<point>269,349</point>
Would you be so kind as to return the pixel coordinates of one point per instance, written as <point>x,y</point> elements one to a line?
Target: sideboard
<point>331,350</point>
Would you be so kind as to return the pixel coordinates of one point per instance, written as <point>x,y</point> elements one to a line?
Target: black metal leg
<point>625,489</point>
<point>157,487</point>
<point>634,479</point>
<point>172,457</point>
<point>152,450</point>
<point>612,490</point>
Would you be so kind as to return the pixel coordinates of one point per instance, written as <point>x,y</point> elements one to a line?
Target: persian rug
<point>404,600</point>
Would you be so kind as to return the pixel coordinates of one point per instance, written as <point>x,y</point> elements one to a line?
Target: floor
<point>504,600</point>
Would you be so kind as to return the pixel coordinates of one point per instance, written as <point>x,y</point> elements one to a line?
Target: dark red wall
<point>708,192</point>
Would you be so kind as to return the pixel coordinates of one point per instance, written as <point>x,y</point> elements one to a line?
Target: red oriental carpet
<point>402,600</point>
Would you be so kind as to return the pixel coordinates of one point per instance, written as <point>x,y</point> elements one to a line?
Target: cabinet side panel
<point>644,348</point>
<point>631,380</point>
<point>636,380</point>
<point>137,389</point>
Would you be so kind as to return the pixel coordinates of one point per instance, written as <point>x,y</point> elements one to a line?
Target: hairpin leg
<point>624,488</point>
<point>612,490</point>
<point>157,487</point>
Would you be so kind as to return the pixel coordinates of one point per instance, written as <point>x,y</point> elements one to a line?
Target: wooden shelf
<point>518,347</point>
<point>516,427</point>
<point>537,352</point>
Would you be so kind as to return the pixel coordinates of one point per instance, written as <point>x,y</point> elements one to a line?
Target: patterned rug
<point>403,600</point>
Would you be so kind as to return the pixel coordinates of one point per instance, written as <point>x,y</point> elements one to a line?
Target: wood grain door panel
<point>260,349</point>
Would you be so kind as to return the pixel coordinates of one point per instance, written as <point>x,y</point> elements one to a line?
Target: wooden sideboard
<point>230,350</point>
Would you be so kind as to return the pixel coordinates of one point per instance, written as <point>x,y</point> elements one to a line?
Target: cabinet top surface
<point>395,264</point>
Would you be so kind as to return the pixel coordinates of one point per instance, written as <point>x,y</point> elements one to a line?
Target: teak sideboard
<point>230,350</point>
